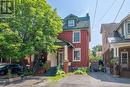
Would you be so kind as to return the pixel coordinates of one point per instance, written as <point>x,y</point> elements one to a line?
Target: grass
<point>61,74</point>
<point>58,77</point>
<point>55,78</point>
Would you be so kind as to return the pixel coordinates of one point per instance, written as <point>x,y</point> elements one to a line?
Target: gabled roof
<point>115,37</point>
<point>81,22</point>
<point>124,19</point>
<point>108,28</point>
<point>71,16</point>
<point>112,31</point>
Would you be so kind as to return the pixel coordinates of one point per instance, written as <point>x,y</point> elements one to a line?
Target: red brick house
<point>74,42</point>
<point>106,31</point>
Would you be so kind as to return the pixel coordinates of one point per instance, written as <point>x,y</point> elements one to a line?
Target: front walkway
<point>95,79</point>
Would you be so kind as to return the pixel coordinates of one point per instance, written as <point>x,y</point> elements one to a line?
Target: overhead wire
<point>119,11</point>
<point>95,14</point>
<point>107,11</point>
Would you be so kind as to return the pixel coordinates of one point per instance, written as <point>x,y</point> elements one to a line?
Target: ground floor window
<point>77,54</point>
<point>124,59</point>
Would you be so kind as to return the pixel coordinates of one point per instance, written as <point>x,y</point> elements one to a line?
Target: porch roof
<point>116,40</point>
<point>63,43</point>
<point>122,43</point>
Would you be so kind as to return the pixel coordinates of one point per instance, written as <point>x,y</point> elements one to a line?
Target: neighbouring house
<point>106,31</point>
<point>74,41</point>
<point>119,44</point>
<point>99,53</point>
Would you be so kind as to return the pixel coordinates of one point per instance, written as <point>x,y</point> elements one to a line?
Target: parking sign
<point>7,8</point>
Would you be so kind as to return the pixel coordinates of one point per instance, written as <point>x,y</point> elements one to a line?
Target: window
<point>124,57</point>
<point>61,58</point>
<point>77,54</point>
<point>71,23</point>
<point>129,28</point>
<point>76,37</point>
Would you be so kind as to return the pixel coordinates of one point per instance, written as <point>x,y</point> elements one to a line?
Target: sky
<point>81,7</point>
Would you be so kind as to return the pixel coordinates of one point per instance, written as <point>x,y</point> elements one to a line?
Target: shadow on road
<point>109,78</point>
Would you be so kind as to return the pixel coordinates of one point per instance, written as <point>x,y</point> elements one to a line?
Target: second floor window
<point>71,23</point>
<point>76,37</point>
<point>129,28</point>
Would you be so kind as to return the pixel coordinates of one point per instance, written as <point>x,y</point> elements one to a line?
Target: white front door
<point>61,58</point>
<point>124,59</point>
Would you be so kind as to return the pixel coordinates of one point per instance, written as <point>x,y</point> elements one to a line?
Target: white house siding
<point>53,58</point>
<point>126,28</point>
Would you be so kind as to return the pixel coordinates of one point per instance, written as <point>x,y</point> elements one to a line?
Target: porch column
<point>118,52</point>
<point>114,52</point>
<point>66,68</point>
<point>66,53</point>
<point>115,55</point>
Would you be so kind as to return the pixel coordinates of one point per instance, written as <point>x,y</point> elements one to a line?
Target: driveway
<point>95,79</point>
<point>110,81</point>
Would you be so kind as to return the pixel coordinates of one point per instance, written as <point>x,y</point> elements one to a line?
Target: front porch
<point>61,57</point>
<point>121,52</point>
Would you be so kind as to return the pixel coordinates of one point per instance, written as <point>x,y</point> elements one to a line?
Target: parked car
<point>14,68</point>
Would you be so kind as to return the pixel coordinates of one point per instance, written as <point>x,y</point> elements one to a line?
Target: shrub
<point>60,73</point>
<point>27,72</point>
<point>81,71</point>
<point>114,60</point>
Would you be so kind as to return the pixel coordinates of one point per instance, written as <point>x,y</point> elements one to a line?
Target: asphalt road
<point>95,79</point>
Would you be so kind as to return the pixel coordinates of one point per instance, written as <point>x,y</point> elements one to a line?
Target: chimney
<point>87,15</point>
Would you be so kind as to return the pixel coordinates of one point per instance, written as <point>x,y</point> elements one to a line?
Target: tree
<point>9,42</point>
<point>37,25</point>
<point>96,48</point>
<point>94,58</point>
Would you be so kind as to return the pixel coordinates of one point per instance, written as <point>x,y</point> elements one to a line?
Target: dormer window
<point>71,23</point>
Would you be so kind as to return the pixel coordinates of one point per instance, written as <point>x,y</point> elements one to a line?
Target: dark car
<point>14,69</point>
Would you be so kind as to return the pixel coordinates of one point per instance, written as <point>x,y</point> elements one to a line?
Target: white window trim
<point>127,28</point>
<point>73,23</point>
<point>124,28</point>
<point>79,36</point>
<point>76,49</point>
<point>127,58</point>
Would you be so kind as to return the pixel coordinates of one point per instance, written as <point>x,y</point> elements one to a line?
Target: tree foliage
<point>9,42</point>
<point>94,58</point>
<point>96,48</point>
<point>36,24</point>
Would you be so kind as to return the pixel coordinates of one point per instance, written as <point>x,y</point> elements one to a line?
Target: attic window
<point>71,23</point>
